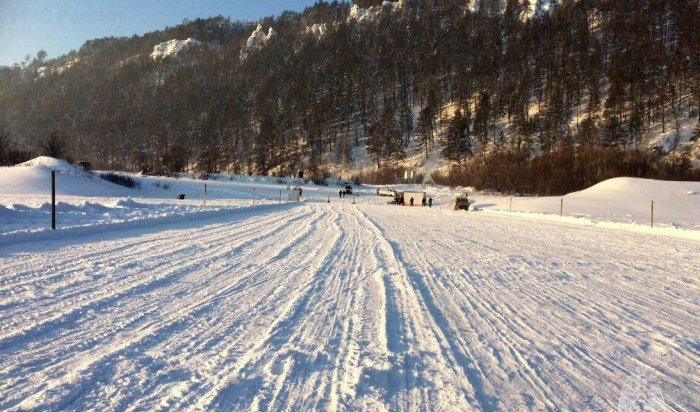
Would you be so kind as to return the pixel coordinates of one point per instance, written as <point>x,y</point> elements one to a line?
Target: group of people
<point>401,201</point>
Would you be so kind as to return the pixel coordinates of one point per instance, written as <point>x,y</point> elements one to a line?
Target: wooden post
<point>280,196</point>
<point>205,195</point>
<point>53,200</point>
<point>510,205</point>
<point>652,213</point>
<point>329,199</point>
<point>253,194</point>
<point>561,207</point>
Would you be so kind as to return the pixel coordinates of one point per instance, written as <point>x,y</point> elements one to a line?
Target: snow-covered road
<point>340,306</point>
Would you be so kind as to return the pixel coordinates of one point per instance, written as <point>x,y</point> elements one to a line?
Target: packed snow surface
<point>172,47</point>
<point>305,306</point>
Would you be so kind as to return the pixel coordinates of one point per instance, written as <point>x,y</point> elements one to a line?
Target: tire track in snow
<point>261,235</point>
<point>593,297</point>
<point>227,383</point>
<point>475,394</point>
<point>170,272</point>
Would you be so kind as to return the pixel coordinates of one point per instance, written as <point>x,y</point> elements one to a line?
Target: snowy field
<point>342,306</point>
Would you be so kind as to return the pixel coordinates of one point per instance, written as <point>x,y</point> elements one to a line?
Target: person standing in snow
<point>411,201</point>
<point>340,194</point>
<point>423,201</point>
<point>430,202</point>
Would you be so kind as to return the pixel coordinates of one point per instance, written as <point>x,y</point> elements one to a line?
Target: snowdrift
<point>33,178</point>
<point>623,199</point>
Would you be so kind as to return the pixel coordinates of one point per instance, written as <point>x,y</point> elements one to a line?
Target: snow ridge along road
<point>339,306</point>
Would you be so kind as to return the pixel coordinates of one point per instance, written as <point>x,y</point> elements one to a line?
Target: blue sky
<point>58,26</point>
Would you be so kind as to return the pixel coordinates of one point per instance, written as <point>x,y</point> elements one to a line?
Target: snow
<point>67,65</point>
<point>318,30</point>
<point>538,8</point>
<point>84,199</point>
<point>171,48</point>
<point>623,199</point>
<point>142,301</point>
<point>258,38</point>
<point>361,15</point>
<point>307,306</point>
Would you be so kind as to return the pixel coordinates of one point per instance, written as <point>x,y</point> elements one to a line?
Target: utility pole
<point>53,200</point>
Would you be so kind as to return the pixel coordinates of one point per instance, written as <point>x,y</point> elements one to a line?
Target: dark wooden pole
<point>53,200</point>
<point>561,207</point>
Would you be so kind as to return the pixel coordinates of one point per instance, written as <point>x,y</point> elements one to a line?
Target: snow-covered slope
<point>171,48</point>
<point>33,178</point>
<point>622,199</point>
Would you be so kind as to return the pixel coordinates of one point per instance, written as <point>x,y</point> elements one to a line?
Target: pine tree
<point>375,142</point>
<point>393,142</point>
<point>457,143</point>
<point>426,119</point>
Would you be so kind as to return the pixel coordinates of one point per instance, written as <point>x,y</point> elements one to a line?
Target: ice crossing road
<point>345,307</point>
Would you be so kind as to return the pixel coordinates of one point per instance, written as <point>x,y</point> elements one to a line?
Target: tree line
<point>587,75</point>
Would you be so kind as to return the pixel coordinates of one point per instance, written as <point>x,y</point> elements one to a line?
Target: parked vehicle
<point>387,192</point>
<point>348,189</point>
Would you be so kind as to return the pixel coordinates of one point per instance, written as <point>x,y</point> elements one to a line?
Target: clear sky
<point>59,26</point>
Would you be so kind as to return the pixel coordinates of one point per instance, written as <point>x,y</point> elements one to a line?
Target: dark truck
<point>462,202</point>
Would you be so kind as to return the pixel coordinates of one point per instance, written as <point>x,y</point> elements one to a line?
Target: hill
<point>347,88</point>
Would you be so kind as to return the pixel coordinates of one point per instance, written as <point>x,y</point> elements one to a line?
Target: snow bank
<point>33,178</point>
<point>172,47</point>
<point>51,163</point>
<point>623,199</point>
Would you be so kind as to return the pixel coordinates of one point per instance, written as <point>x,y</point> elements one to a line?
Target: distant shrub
<point>121,180</point>
<point>559,172</point>
<point>385,176</point>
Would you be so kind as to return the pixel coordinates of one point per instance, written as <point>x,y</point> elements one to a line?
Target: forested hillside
<point>503,91</point>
